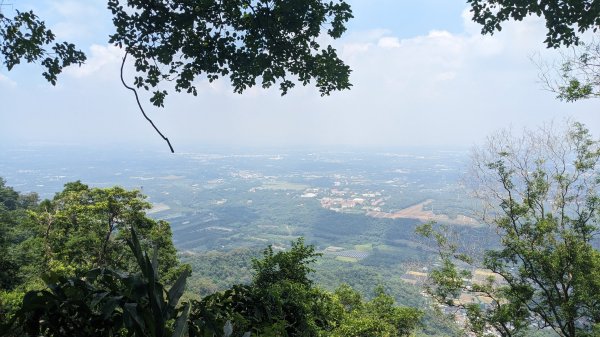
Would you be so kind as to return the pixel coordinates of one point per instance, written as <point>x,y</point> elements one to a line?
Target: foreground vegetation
<point>76,265</point>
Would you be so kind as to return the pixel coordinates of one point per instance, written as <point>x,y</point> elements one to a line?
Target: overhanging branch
<point>140,105</point>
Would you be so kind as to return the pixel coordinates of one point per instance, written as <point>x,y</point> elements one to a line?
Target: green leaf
<point>109,307</point>
<point>182,322</point>
<point>177,289</point>
<point>132,313</point>
<point>155,261</point>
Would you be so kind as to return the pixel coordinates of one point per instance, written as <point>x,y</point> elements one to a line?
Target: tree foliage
<point>292,265</point>
<point>378,317</point>
<point>541,192</point>
<point>106,302</point>
<point>83,228</point>
<point>566,21</point>
<point>110,302</point>
<point>577,75</point>
<point>80,229</point>
<point>282,301</point>
<point>13,211</point>
<point>179,42</point>
<point>451,279</point>
<point>244,40</point>
<point>25,37</point>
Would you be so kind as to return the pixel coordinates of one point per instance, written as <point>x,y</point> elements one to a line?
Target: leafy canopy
<point>540,191</point>
<point>577,77</point>
<point>282,301</point>
<point>26,37</point>
<point>13,212</point>
<point>178,41</point>
<point>565,20</point>
<point>83,228</point>
<point>106,302</point>
<point>244,40</point>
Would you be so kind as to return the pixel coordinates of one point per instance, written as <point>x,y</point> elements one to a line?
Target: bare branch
<point>140,105</point>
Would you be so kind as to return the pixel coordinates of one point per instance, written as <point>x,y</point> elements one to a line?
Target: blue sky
<point>406,18</point>
<point>422,75</point>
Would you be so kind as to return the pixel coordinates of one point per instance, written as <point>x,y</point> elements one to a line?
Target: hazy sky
<point>422,75</point>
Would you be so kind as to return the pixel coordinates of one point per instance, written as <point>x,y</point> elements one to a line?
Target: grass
<point>346,259</point>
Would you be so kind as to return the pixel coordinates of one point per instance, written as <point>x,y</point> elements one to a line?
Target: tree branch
<point>140,105</point>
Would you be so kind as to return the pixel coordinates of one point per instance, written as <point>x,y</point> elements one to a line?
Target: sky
<point>423,76</point>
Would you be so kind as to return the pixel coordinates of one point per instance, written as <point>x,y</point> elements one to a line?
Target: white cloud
<point>6,81</point>
<point>445,88</point>
<point>101,60</point>
<point>380,58</point>
<point>388,42</point>
<point>350,49</point>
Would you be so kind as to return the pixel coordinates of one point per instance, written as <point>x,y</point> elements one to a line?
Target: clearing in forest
<point>418,211</point>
